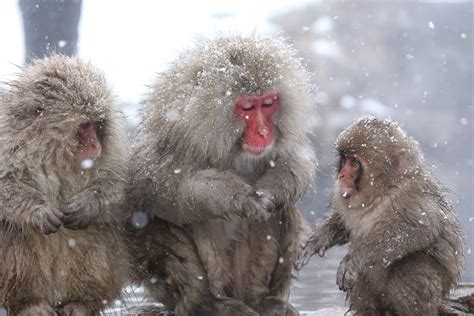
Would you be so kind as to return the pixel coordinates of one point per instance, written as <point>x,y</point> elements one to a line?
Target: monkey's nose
<point>263,131</point>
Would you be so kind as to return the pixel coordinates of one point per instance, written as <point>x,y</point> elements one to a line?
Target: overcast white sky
<point>132,40</point>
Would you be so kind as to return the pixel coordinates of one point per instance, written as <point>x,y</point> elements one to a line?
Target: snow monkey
<point>405,250</point>
<point>223,154</point>
<point>62,175</point>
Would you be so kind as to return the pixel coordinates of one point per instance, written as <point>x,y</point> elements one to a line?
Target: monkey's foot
<point>273,306</point>
<point>74,309</point>
<point>231,307</point>
<point>40,309</point>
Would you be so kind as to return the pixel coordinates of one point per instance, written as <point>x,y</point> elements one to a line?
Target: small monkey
<point>405,250</point>
<point>222,156</point>
<point>62,176</point>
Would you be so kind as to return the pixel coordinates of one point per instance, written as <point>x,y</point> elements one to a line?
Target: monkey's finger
<point>58,213</point>
<point>70,207</point>
<point>75,221</point>
<point>322,251</point>
<point>53,219</point>
<point>340,278</point>
<point>49,228</point>
<point>268,203</point>
<point>305,259</point>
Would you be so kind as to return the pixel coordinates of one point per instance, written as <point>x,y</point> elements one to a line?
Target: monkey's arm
<point>22,205</point>
<point>212,193</point>
<point>331,232</point>
<point>289,178</point>
<point>182,196</point>
<point>100,202</point>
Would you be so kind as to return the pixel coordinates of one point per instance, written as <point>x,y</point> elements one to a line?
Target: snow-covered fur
<point>189,170</point>
<point>39,171</point>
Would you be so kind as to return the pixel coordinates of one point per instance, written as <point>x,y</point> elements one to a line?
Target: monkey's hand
<point>48,219</point>
<point>81,209</point>
<point>314,245</point>
<point>255,205</point>
<point>347,274</point>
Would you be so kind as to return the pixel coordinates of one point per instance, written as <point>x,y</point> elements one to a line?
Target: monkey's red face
<point>89,143</point>
<point>350,172</point>
<point>257,113</point>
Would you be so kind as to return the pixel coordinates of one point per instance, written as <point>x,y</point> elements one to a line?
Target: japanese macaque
<point>223,154</point>
<point>62,177</point>
<point>405,250</point>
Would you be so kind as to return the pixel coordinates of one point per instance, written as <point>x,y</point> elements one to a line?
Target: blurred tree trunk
<point>50,26</point>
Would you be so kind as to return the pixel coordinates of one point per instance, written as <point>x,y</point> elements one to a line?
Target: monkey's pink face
<point>350,173</point>
<point>89,143</point>
<point>257,114</point>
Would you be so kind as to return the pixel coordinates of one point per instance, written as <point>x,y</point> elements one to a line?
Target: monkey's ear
<point>401,161</point>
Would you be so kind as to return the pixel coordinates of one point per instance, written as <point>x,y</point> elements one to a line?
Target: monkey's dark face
<point>349,174</point>
<point>257,114</point>
<point>89,141</point>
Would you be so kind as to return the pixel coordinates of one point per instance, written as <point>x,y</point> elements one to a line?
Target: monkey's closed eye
<point>248,106</point>
<point>268,103</point>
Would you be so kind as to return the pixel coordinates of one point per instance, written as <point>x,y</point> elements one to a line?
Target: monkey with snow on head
<point>61,181</point>
<point>223,155</point>
<point>405,250</point>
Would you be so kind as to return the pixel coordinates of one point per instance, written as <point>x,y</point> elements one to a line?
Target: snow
<point>71,243</point>
<point>326,48</point>
<point>139,219</point>
<point>87,164</point>
<point>62,43</point>
<point>322,25</point>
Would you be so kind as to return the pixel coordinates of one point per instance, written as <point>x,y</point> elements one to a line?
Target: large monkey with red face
<point>222,157</point>
<point>405,249</point>
<point>62,175</point>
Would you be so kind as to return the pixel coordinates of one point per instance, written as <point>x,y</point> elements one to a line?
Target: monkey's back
<point>70,265</point>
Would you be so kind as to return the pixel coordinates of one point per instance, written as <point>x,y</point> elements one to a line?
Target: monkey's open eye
<point>36,111</point>
<point>355,162</point>
<point>100,124</point>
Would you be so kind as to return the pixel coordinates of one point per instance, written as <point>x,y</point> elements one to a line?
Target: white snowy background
<point>409,60</point>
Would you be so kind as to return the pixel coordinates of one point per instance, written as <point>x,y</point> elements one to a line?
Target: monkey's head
<point>233,96</point>
<point>374,154</point>
<point>58,109</point>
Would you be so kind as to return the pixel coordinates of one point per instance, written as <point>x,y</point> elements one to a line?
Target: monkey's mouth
<point>346,191</point>
<point>254,150</point>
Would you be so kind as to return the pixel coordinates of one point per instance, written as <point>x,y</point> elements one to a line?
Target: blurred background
<point>408,60</point>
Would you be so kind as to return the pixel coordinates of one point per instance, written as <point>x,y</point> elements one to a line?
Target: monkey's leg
<point>76,309</point>
<point>174,274</point>
<point>363,301</point>
<point>230,307</point>
<point>415,286</point>
<point>274,306</point>
<point>274,245</point>
<point>37,309</point>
